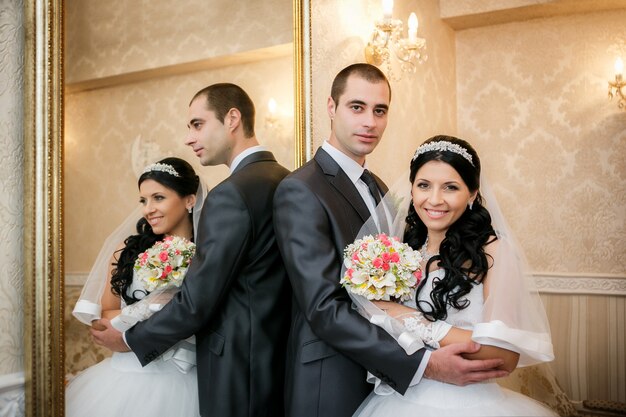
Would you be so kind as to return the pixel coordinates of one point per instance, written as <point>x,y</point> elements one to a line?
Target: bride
<point>474,288</point>
<point>171,196</point>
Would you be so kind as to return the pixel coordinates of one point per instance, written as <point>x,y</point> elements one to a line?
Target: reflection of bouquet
<point>381,268</point>
<point>165,263</point>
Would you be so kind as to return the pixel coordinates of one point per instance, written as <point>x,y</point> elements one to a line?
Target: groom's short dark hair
<point>366,71</point>
<point>222,97</point>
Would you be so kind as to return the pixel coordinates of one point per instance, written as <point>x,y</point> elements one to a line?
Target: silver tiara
<point>163,168</point>
<point>443,145</point>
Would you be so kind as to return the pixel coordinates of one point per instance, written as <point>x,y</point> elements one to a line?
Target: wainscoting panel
<point>588,336</point>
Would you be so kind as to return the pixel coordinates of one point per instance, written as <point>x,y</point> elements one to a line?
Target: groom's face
<point>359,117</point>
<point>208,137</point>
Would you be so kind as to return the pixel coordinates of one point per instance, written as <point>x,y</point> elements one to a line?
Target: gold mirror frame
<point>43,191</point>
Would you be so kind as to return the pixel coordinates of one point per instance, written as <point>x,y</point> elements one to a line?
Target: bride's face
<point>440,196</point>
<point>164,209</point>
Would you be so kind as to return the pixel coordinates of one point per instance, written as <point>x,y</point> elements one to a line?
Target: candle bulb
<point>619,66</point>
<point>271,105</point>
<point>412,24</point>
<point>387,9</point>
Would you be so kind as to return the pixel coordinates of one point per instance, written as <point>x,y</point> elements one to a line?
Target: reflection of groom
<point>235,293</point>
<point>319,209</point>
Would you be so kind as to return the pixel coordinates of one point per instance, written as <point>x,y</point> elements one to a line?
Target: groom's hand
<point>110,338</point>
<point>447,365</point>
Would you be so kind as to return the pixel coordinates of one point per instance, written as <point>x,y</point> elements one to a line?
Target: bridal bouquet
<point>161,269</point>
<point>165,264</point>
<point>381,268</point>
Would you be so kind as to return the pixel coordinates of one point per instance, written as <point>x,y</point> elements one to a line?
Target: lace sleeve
<point>144,308</point>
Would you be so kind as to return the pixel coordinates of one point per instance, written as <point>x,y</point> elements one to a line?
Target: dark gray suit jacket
<point>235,299</point>
<point>317,212</point>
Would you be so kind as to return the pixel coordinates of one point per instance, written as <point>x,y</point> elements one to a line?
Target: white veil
<point>513,315</point>
<point>89,307</point>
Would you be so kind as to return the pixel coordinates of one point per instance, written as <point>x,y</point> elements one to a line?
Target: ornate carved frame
<point>43,190</point>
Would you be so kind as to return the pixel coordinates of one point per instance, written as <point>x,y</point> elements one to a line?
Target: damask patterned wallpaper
<point>11,166</point>
<point>532,97</point>
<point>119,36</point>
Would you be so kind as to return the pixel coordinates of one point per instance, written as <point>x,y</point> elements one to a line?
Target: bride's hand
<point>393,309</point>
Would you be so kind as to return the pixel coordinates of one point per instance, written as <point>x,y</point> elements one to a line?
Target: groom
<point>235,296</point>
<point>318,210</point>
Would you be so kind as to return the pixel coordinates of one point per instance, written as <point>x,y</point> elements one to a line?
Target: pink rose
<point>349,272</point>
<point>385,266</point>
<point>166,271</point>
<point>377,262</point>
<point>418,275</point>
<point>395,257</point>
<point>163,256</point>
<point>386,257</point>
<point>355,257</point>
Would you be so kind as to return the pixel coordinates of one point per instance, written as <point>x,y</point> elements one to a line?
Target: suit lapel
<point>342,183</point>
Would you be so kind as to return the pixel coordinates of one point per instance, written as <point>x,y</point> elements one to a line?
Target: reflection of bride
<point>476,288</point>
<point>171,198</point>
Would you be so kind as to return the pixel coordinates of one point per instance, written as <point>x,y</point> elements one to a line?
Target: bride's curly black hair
<point>185,184</point>
<point>461,253</point>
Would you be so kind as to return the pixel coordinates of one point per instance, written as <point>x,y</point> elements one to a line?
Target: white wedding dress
<point>119,386</point>
<point>438,399</point>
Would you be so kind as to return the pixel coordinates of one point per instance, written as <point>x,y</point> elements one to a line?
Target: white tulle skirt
<point>437,399</point>
<point>120,387</point>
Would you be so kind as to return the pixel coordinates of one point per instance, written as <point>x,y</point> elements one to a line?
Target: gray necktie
<point>369,180</point>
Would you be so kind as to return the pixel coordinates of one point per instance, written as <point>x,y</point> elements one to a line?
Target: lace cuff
<point>143,309</point>
<point>431,332</point>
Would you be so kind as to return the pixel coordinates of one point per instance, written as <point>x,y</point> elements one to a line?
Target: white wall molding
<point>573,283</point>
<point>547,283</point>
<point>75,279</point>
<point>12,399</point>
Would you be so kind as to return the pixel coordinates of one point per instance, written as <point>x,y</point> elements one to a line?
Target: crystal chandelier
<point>388,47</point>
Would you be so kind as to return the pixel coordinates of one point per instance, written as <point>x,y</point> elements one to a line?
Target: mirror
<point>93,119</point>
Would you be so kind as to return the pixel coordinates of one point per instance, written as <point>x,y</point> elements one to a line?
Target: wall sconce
<point>387,44</point>
<point>271,121</point>
<point>618,84</point>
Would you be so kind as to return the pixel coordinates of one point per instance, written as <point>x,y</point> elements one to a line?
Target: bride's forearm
<point>109,314</point>
<point>456,335</point>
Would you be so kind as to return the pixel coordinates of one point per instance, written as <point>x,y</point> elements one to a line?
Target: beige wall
<point>120,36</point>
<point>532,98</point>
<point>11,166</point>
